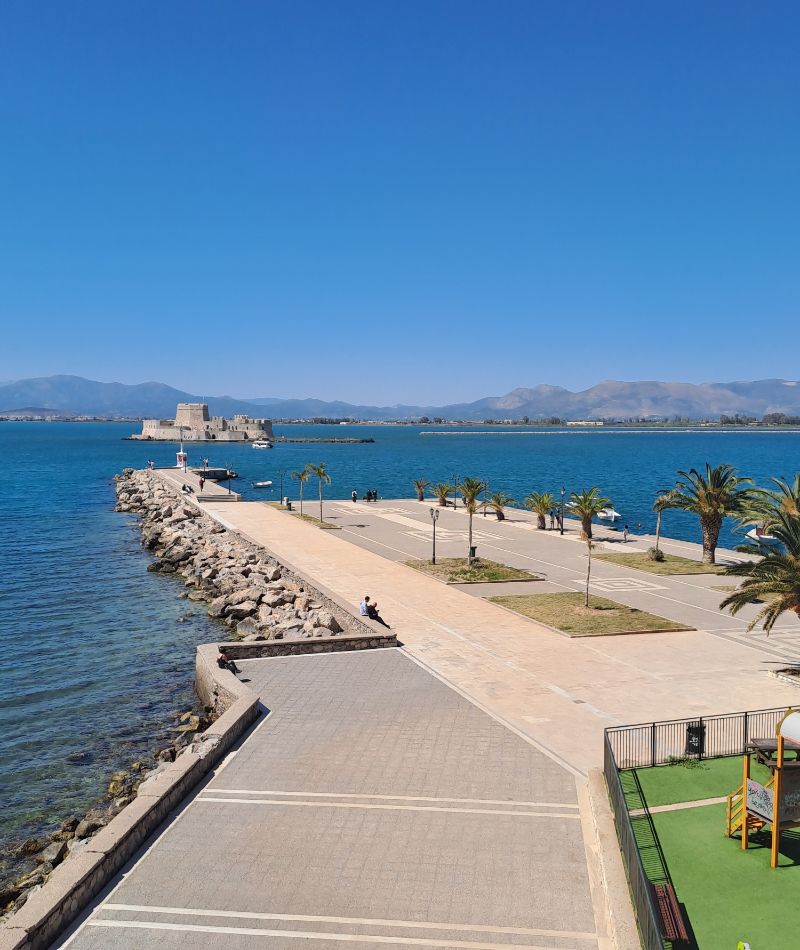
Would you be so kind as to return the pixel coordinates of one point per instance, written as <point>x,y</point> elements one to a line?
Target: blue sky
<point>399,201</point>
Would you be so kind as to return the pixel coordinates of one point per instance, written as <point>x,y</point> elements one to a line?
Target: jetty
<point>403,786</point>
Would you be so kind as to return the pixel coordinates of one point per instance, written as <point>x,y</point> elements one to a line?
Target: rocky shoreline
<point>253,595</point>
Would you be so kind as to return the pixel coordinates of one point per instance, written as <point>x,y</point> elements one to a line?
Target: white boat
<point>262,444</point>
<point>608,514</point>
<point>761,537</point>
<point>267,484</point>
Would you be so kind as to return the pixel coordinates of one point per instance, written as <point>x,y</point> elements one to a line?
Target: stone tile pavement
<point>374,805</point>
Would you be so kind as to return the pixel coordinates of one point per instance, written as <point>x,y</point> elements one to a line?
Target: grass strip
<point>672,563</point>
<point>326,525</point>
<point>456,570</point>
<point>566,613</point>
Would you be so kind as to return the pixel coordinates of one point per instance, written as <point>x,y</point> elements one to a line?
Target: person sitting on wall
<point>370,610</point>
<point>225,664</point>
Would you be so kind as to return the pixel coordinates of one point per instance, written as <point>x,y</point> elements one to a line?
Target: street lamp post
<point>485,489</point>
<point>434,519</point>
<point>455,492</point>
<point>563,492</point>
<point>281,473</point>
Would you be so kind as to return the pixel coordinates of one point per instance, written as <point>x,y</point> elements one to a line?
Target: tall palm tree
<point>470,490</point>
<point>711,495</point>
<point>302,477</point>
<point>441,492</point>
<point>420,484</point>
<point>498,502</point>
<point>587,505</point>
<point>659,505</point>
<point>541,504</point>
<point>775,577</point>
<point>589,548</point>
<point>324,478</point>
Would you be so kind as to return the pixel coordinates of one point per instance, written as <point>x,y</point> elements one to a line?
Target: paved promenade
<point>374,805</point>
<point>560,693</point>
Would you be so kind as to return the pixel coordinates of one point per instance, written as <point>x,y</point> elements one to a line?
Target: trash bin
<point>287,504</point>
<point>472,551</point>
<point>695,739</point>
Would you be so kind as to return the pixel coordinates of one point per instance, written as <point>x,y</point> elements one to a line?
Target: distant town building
<point>192,423</point>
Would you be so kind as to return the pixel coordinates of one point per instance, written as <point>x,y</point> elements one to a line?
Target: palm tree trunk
<point>301,499</point>
<point>658,529</point>
<point>469,551</point>
<point>588,574</point>
<point>586,527</point>
<point>540,523</point>
<point>501,515</point>
<point>710,529</point>
<point>320,501</point>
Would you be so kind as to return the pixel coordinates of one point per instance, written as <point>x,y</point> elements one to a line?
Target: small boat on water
<point>262,444</point>
<point>266,484</point>
<point>760,536</point>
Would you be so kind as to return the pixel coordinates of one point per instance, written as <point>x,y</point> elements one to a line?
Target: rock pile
<point>250,592</point>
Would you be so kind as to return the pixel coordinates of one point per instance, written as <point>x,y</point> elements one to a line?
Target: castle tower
<point>192,415</point>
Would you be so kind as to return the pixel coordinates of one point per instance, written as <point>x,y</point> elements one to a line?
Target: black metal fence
<point>706,737</point>
<point>659,743</point>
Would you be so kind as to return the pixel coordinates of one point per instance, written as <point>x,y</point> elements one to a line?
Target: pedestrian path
<point>558,692</point>
<point>373,806</point>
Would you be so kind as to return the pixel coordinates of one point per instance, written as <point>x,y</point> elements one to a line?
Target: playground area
<point>680,813</point>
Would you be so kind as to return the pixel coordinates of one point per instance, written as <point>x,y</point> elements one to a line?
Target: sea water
<point>95,661</point>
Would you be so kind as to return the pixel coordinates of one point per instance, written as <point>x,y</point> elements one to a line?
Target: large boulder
<point>241,610</point>
<point>217,606</point>
<point>325,618</point>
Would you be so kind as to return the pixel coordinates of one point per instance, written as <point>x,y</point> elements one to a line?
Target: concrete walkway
<point>561,693</point>
<point>373,806</point>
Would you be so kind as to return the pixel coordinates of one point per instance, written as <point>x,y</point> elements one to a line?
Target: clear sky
<point>399,201</point>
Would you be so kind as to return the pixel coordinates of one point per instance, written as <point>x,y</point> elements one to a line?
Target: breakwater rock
<point>250,592</point>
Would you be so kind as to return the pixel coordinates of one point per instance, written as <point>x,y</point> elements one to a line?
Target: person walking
<point>354,496</point>
<point>202,482</point>
<point>552,520</point>
<point>625,534</point>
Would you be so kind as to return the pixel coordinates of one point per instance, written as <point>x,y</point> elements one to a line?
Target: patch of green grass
<point>672,563</point>
<point>687,780</point>
<point>728,894</point>
<point>567,613</point>
<point>456,570</point>
<point>320,524</point>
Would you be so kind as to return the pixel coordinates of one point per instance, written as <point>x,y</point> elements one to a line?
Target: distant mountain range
<point>75,396</point>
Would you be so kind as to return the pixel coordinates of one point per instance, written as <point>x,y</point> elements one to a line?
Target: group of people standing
<point>370,495</point>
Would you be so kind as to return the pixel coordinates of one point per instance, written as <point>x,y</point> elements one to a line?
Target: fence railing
<point>705,737</point>
<point>658,743</point>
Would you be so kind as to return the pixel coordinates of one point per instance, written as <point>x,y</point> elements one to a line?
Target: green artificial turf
<point>729,894</point>
<point>687,781</point>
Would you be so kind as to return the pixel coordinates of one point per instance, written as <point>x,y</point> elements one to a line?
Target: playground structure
<point>777,802</point>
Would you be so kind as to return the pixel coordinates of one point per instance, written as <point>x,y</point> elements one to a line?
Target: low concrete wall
<point>332,644</point>
<point>82,876</point>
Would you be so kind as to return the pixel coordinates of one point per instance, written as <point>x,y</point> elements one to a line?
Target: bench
<point>670,912</point>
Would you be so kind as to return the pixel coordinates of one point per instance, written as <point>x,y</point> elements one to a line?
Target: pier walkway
<point>559,692</point>
<point>374,805</point>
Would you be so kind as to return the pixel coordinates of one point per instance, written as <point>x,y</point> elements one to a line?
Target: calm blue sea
<point>94,660</point>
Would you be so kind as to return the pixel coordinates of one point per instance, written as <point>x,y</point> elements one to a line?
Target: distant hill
<point>611,399</point>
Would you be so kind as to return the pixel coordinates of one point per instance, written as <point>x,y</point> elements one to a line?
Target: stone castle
<point>192,423</point>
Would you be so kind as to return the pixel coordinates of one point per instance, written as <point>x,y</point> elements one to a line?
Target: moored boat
<point>262,444</point>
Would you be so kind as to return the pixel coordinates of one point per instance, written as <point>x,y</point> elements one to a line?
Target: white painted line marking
<point>355,921</point>
<point>449,811</point>
<point>310,935</point>
<point>401,798</point>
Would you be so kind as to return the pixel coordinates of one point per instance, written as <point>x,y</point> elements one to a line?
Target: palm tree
<point>420,484</point>
<point>775,577</point>
<point>470,489</point>
<point>587,505</point>
<point>589,547</point>
<point>541,504</point>
<point>661,502</point>
<point>441,492</point>
<point>711,496</point>
<point>302,477</point>
<point>497,502</point>
<point>324,478</point>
